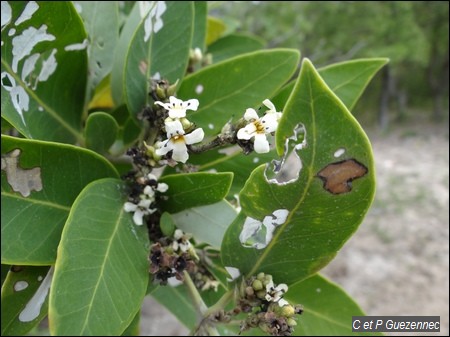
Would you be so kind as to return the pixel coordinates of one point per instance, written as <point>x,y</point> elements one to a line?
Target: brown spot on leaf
<point>21,180</point>
<point>337,177</point>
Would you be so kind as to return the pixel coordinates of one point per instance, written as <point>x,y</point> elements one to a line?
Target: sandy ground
<point>397,263</point>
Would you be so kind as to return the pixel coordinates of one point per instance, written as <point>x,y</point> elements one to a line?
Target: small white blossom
<point>275,294</point>
<point>177,140</point>
<point>258,128</point>
<point>272,109</point>
<point>177,108</point>
<point>162,187</point>
<point>181,241</point>
<point>140,209</point>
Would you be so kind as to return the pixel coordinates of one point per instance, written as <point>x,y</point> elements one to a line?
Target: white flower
<point>181,241</point>
<point>177,140</point>
<point>275,294</point>
<point>258,128</point>
<point>162,187</point>
<point>141,209</point>
<point>272,109</point>
<point>177,108</point>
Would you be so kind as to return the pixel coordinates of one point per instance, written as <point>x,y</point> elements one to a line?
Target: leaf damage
<point>337,177</point>
<point>21,180</point>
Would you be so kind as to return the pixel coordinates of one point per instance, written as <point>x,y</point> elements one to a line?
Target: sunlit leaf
<point>101,273</point>
<point>225,90</point>
<point>309,218</point>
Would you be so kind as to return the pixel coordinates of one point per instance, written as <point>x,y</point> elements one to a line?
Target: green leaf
<point>199,37</point>
<point>328,310</point>
<point>32,224</point>
<point>101,131</point>
<point>207,223</point>
<point>24,299</point>
<point>227,89</point>
<point>346,79</point>
<point>44,69</point>
<point>194,189</point>
<point>349,79</point>
<point>163,54</point>
<point>233,161</point>
<point>234,45</point>
<point>121,52</point>
<point>101,21</point>
<point>319,217</point>
<point>134,328</point>
<point>101,273</point>
<point>177,300</point>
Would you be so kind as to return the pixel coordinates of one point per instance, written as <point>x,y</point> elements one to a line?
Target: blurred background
<point>397,263</point>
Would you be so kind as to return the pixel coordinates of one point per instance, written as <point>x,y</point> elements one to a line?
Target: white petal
<point>248,132</point>
<point>174,128</point>
<point>178,234</point>
<point>191,104</point>
<point>270,105</point>
<point>175,245</point>
<point>162,187</point>
<point>129,207</point>
<point>269,298</point>
<point>261,144</point>
<point>165,147</point>
<point>164,105</point>
<point>269,286</point>
<point>175,102</point>
<point>195,136</point>
<point>282,302</point>
<point>282,288</point>
<point>151,177</point>
<point>180,153</point>
<point>177,113</point>
<point>137,217</point>
<point>250,114</point>
<point>145,204</point>
<point>270,122</point>
<point>148,190</point>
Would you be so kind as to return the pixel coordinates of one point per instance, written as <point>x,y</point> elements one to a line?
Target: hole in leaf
<point>337,177</point>
<point>287,170</point>
<point>257,234</point>
<point>21,180</point>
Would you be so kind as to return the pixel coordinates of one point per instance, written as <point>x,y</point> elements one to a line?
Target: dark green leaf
<point>163,54</point>
<point>24,299</point>
<point>234,45</point>
<point>32,224</point>
<point>320,217</point>
<point>199,37</point>
<point>194,189</point>
<point>44,67</point>
<point>101,273</point>
<point>328,310</point>
<point>101,131</point>
<point>133,329</point>
<point>227,89</point>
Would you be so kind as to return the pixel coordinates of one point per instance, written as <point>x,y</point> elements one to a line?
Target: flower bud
<point>249,291</point>
<point>257,285</point>
<point>261,294</point>
<point>291,322</point>
<point>287,311</point>
<point>260,276</point>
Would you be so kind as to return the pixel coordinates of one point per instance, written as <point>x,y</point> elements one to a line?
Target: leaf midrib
<point>100,278</point>
<point>305,190</point>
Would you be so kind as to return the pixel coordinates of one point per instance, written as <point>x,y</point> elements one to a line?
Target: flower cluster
<point>259,128</point>
<point>176,126</point>
<point>144,203</point>
<point>274,314</point>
